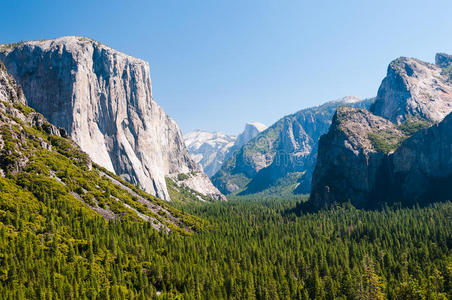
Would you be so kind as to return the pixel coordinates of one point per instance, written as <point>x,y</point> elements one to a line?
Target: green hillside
<point>71,230</point>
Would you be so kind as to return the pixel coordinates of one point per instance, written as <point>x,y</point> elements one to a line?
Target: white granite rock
<point>103,98</point>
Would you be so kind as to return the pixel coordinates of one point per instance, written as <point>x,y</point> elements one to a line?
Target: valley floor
<point>249,248</point>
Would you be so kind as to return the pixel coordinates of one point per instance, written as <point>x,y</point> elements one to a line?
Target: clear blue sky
<point>217,64</point>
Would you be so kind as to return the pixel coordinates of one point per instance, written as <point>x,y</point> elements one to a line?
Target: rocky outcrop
<point>415,88</point>
<point>250,132</point>
<point>351,157</point>
<point>10,91</point>
<point>283,156</point>
<point>352,165</point>
<point>443,60</point>
<point>103,98</point>
<point>373,160</point>
<point>209,149</point>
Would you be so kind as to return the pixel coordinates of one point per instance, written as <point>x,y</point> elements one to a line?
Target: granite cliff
<point>400,151</point>
<point>42,169</point>
<point>103,98</point>
<point>350,157</point>
<point>413,88</point>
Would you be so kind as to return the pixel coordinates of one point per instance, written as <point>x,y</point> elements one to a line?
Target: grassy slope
<point>386,143</point>
<point>52,166</point>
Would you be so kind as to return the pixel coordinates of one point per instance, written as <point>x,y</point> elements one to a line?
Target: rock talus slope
<point>103,98</point>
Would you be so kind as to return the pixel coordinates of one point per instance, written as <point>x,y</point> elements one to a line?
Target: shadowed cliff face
<point>421,168</point>
<point>351,167</point>
<point>349,161</point>
<point>362,162</point>
<point>103,98</point>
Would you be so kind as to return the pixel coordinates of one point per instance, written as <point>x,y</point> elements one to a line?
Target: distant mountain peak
<point>251,131</point>
<point>283,154</point>
<point>257,125</point>
<point>211,149</point>
<point>348,99</point>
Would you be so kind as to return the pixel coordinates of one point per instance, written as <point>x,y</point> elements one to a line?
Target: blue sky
<point>218,64</point>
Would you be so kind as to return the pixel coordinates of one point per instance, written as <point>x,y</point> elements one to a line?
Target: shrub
<point>384,142</point>
<point>26,110</point>
<point>182,176</point>
<point>410,127</point>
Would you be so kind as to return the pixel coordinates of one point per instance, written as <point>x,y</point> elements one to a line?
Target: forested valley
<point>247,248</point>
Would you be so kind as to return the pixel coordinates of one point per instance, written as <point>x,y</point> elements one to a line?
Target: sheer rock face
<point>415,88</point>
<point>348,162</point>
<point>286,152</point>
<point>103,98</point>
<point>422,165</point>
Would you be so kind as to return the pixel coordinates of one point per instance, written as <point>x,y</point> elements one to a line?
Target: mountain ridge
<point>286,149</point>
